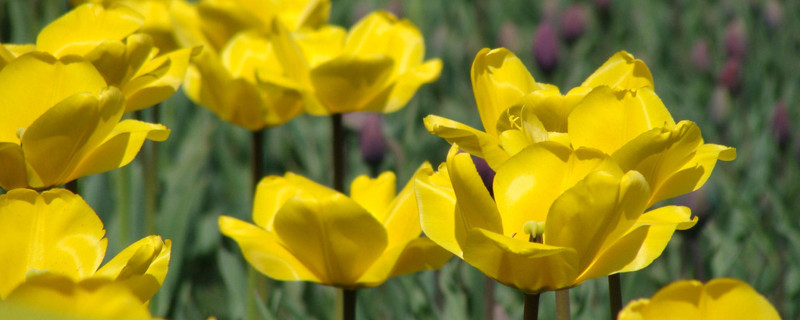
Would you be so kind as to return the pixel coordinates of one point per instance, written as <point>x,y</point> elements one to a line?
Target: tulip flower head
<point>53,245</point>
<point>722,298</point>
<point>305,231</point>
<point>61,121</point>
<point>573,216</point>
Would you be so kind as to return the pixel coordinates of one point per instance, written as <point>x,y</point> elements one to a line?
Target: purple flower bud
<point>736,39</point>
<point>371,140</point>
<point>720,105</point>
<point>545,47</point>
<point>773,13</point>
<point>730,75</point>
<point>700,56</point>
<point>486,173</point>
<point>508,37</point>
<point>573,23</point>
<point>781,126</point>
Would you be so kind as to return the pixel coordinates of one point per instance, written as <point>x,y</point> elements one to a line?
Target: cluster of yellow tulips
<point>579,177</point>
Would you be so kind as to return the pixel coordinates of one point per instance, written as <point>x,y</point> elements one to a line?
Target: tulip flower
<point>306,231</point>
<point>157,20</point>
<point>586,214</point>
<point>517,111</point>
<point>60,121</point>
<point>376,67</point>
<point>127,60</point>
<point>51,296</point>
<point>722,298</point>
<point>56,233</point>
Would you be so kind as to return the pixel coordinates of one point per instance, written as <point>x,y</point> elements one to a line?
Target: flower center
<point>535,230</point>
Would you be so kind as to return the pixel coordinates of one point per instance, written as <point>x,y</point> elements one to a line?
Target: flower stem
<point>349,304</point>
<point>614,294</point>
<point>338,151</point>
<point>149,159</point>
<point>562,304</point>
<point>488,299</point>
<point>256,282</point>
<point>531,307</point>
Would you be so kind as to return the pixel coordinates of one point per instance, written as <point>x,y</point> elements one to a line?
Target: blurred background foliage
<point>732,66</point>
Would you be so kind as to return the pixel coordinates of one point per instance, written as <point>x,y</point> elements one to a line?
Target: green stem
<point>562,304</point>
<point>614,294</point>
<point>72,186</point>
<point>488,298</point>
<point>338,151</point>
<point>255,281</point>
<point>531,307</point>
<point>349,304</point>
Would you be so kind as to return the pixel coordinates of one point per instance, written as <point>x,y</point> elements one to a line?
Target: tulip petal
<point>120,147</point>
<point>401,219</point>
<point>695,172</point>
<point>12,166</point>
<point>597,211</point>
<point>552,108</point>
<point>468,139</point>
<point>84,27</point>
<point>151,87</point>
<point>437,205</point>
<point>525,192</point>
<point>52,296</point>
<point>271,193</point>
<point>264,251</point>
<point>334,237</point>
<point>499,80</point>
<point>621,71</point>
<point>348,82</point>
<point>416,255</point>
<point>475,207</point>
<point>309,187</point>
<point>607,119</point>
<point>55,231</point>
<point>728,298</point>
<point>38,81</point>
<point>141,266</point>
<point>381,33</point>
<point>374,195</point>
<point>397,95</point>
<point>528,266</point>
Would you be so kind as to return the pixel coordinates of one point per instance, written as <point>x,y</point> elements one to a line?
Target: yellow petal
<point>38,81</point>
<point>416,255</point>
<point>58,141</point>
<point>396,96</point>
<point>475,208</point>
<point>264,251</point>
<point>621,71</point>
<point>679,300</point>
<point>149,88</point>
<point>55,231</point>
<point>52,296</point>
<point>525,192</point>
<point>527,266</point>
<point>728,298</point>
<point>309,187</point>
<point>374,195</point>
<point>12,166</point>
<point>271,193</point>
<point>437,206</point>
<point>84,27</point>
<point>219,21</point>
<point>594,213</point>
<point>470,140</point>
<point>499,80</point>
<point>333,236</point>
<point>401,219</point>
<point>317,46</point>
<point>607,119</point>
<point>349,82</point>
<point>695,172</point>
<point>552,108</point>
<point>141,266</point>
<point>120,147</point>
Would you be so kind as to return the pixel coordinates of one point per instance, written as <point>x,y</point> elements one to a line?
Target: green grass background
<point>750,227</point>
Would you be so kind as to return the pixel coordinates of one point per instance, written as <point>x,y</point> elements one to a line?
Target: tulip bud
<point>700,56</point>
<point>508,36</point>
<point>730,75</point>
<point>486,173</point>
<point>781,126</point>
<point>573,23</point>
<point>372,141</point>
<point>720,105</point>
<point>773,13</point>
<point>546,47</point>
<point>735,39</point>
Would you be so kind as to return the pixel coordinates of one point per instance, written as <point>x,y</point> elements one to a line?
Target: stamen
<point>20,132</point>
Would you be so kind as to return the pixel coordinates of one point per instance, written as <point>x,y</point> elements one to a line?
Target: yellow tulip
<point>52,296</point>
<point>57,233</point>
<point>588,214</point>
<point>60,121</point>
<point>722,298</point>
<point>516,111</point>
<point>127,60</point>
<point>157,20</point>
<point>305,231</point>
<point>376,67</point>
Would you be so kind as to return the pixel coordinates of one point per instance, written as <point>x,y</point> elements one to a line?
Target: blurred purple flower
<point>371,139</point>
<point>545,47</point>
<point>720,105</point>
<point>508,37</point>
<point>486,173</point>
<point>700,56</point>
<point>573,22</point>
<point>730,75</point>
<point>781,125</point>
<point>773,13</point>
<point>736,39</point>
